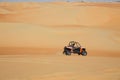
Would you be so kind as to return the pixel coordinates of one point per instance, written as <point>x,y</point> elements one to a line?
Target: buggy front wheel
<point>84,53</point>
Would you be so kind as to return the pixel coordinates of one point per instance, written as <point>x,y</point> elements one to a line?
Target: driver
<point>72,47</point>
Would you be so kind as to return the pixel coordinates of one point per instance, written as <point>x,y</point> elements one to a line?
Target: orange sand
<point>43,29</point>
<point>53,25</point>
<point>58,67</point>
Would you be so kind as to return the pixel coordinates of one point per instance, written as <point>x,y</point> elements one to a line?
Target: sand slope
<point>50,26</point>
<point>59,67</point>
<point>17,35</point>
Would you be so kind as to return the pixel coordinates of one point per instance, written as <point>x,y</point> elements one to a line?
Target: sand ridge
<point>49,14</point>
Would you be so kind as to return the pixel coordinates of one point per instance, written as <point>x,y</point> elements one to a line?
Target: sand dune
<point>58,67</point>
<point>32,37</point>
<point>53,25</point>
<point>51,14</point>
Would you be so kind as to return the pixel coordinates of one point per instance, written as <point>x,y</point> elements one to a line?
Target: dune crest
<point>50,14</point>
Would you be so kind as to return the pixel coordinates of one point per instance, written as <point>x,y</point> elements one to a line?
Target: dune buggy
<point>74,47</point>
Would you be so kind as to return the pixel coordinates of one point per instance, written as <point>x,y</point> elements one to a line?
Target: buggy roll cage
<point>77,44</point>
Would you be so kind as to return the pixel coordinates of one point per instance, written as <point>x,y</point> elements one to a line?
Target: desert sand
<point>32,37</point>
<point>47,67</point>
<point>25,27</point>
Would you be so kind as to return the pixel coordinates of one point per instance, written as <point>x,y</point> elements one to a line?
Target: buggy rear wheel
<point>68,53</point>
